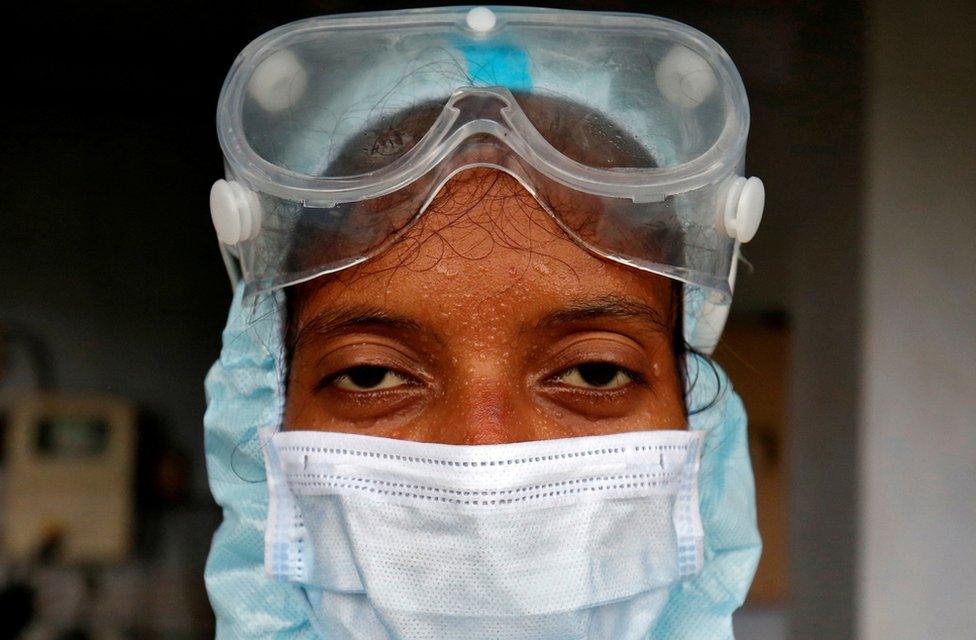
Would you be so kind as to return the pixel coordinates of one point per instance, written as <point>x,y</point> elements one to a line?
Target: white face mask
<point>558,539</point>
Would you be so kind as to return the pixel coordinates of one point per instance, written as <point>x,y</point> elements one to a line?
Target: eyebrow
<point>611,306</point>
<point>333,321</point>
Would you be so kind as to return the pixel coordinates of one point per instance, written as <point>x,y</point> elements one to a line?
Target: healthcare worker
<point>480,256</point>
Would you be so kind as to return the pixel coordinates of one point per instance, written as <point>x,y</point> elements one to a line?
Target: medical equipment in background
<point>68,496</point>
<point>69,469</point>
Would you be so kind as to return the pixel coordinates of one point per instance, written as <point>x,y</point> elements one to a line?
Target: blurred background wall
<point>917,465</point>
<point>851,339</point>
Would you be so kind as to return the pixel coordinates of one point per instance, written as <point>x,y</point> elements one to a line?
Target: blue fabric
<point>702,607</point>
<point>497,65</point>
<point>245,392</point>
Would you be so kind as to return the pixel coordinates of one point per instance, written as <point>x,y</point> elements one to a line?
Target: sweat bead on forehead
<point>483,246</point>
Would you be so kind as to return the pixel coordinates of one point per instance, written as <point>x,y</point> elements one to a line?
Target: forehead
<point>484,251</point>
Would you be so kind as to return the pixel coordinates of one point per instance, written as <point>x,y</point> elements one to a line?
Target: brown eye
<point>368,378</point>
<point>596,375</point>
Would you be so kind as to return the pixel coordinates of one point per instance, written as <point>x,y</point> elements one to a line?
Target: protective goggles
<point>629,130</point>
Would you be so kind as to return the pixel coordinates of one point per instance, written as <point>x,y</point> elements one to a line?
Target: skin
<point>484,324</point>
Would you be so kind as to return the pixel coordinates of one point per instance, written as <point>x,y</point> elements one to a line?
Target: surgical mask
<point>562,539</point>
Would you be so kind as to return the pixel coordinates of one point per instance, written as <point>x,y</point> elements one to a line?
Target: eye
<point>366,378</point>
<point>596,375</point>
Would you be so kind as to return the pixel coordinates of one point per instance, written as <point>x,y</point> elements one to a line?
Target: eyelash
<point>634,377</point>
<point>331,380</point>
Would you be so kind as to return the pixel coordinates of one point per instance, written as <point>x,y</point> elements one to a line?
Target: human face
<point>484,324</point>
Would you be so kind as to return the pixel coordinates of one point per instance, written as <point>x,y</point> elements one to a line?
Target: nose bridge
<point>488,407</point>
<point>488,417</point>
